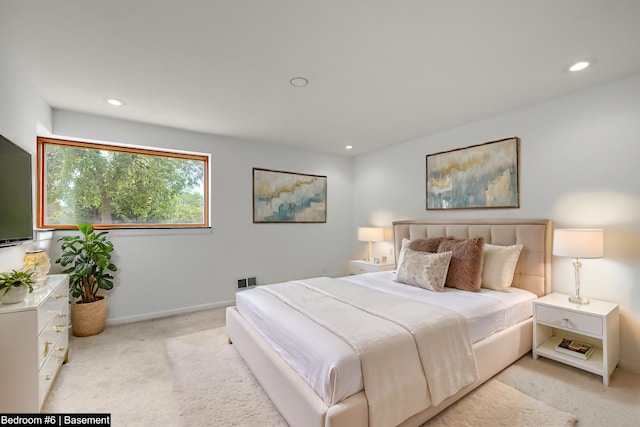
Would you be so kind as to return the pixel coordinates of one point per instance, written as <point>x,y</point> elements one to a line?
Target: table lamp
<point>38,262</point>
<point>578,243</point>
<point>370,234</point>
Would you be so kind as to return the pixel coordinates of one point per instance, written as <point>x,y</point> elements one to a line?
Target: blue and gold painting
<point>288,197</point>
<point>480,176</point>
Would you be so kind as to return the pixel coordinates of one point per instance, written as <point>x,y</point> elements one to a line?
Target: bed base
<point>301,406</point>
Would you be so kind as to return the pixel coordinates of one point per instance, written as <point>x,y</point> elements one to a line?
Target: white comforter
<point>412,354</point>
<point>331,366</point>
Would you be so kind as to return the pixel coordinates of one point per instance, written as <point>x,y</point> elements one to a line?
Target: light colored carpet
<point>213,386</point>
<point>125,371</point>
<point>496,404</point>
<point>578,392</point>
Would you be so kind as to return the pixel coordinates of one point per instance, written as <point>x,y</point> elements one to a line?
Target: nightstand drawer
<point>579,322</point>
<point>359,267</point>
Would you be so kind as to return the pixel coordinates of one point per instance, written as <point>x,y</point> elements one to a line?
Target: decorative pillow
<point>499,265</point>
<point>403,248</point>
<point>465,271</point>
<point>427,245</point>
<point>424,270</point>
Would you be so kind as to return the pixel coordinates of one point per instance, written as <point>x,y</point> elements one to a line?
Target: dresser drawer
<point>569,320</point>
<point>49,369</point>
<point>48,338</point>
<point>52,307</point>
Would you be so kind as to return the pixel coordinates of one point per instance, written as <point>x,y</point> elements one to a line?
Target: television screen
<point>16,204</point>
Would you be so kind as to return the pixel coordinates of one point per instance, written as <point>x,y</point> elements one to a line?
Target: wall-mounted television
<point>16,203</point>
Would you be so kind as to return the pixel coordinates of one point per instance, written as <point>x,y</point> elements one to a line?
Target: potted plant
<point>15,285</point>
<point>88,260</point>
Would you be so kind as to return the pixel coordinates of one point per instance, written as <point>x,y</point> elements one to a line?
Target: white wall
<point>166,271</point>
<point>578,167</point>
<point>21,110</point>
<point>169,271</point>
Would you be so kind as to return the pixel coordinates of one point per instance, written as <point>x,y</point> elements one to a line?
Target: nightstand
<point>596,323</point>
<point>360,266</point>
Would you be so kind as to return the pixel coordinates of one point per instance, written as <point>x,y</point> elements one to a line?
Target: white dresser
<point>35,341</point>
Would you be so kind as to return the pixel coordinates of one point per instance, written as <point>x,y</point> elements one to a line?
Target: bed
<point>267,339</point>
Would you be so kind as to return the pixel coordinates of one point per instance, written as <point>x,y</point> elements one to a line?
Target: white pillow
<point>404,247</point>
<point>499,264</point>
<point>424,269</point>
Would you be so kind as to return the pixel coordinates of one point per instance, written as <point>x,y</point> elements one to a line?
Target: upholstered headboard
<point>533,271</point>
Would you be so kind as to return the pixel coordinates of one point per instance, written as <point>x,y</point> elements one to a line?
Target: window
<point>113,186</point>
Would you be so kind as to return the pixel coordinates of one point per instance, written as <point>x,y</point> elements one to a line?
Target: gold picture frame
<point>479,176</point>
<point>288,197</point>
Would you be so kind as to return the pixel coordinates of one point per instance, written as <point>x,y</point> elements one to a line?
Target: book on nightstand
<point>574,348</point>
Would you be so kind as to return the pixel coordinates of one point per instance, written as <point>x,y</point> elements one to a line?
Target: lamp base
<point>578,300</point>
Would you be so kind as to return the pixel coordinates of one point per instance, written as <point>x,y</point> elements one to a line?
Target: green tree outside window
<point>120,186</point>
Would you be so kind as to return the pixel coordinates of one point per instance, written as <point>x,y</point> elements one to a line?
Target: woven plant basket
<point>89,318</point>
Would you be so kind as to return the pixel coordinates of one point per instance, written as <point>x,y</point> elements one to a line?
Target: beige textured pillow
<point>424,270</point>
<point>465,271</point>
<point>499,265</point>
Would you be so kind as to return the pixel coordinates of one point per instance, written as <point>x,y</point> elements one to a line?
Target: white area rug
<point>213,387</point>
<point>496,404</point>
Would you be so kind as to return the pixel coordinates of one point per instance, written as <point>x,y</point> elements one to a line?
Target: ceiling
<point>380,72</point>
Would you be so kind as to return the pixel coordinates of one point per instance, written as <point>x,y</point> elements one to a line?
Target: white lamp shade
<point>370,234</point>
<point>578,243</point>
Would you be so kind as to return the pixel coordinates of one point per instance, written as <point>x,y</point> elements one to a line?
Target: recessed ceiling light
<point>115,102</point>
<point>580,65</point>
<point>299,82</point>
<point>348,147</point>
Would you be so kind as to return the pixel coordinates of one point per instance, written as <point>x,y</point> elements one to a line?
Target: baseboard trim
<point>167,313</point>
<point>629,366</point>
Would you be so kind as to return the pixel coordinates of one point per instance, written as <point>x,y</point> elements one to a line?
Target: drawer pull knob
<point>59,296</point>
<point>565,319</point>
<point>46,348</point>
<point>59,329</point>
<point>47,377</point>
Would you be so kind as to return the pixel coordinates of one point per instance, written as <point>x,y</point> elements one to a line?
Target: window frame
<point>42,142</point>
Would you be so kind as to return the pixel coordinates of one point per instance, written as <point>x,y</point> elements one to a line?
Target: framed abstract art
<point>480,176</point>
<point>288,197</point>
